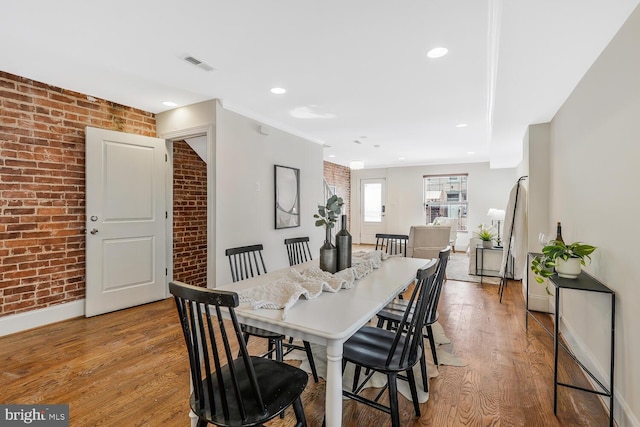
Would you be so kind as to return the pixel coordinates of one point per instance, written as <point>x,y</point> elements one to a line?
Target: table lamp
<point>496,215</point>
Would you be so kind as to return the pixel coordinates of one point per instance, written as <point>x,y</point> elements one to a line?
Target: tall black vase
<point>343,244</point>
<point>328,254</point>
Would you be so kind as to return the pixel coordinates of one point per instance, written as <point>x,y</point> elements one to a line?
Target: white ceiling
<point>359,67</point>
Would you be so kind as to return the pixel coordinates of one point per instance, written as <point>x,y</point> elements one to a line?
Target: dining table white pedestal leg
<point>333,387</point>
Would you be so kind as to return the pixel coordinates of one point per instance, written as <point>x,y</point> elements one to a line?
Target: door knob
<point>94,231</point>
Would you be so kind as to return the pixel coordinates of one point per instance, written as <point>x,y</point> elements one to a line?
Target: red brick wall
<point>340,176</point>
<point>189,216</point>
<point>42,193</point>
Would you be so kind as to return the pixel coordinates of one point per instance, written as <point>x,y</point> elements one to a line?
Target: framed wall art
<point>287,196</point>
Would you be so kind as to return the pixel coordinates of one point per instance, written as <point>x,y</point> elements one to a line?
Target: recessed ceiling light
<point>356,164</point>
<point>332,155</point>
<point>471,153</point>
<point>437,52</point>
<point>462,125</point>
<point>170,104</point>
<point>401,159</point>
<point>278,90</point>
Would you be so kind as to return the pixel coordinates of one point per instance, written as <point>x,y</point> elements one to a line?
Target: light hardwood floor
<point>129,368</point>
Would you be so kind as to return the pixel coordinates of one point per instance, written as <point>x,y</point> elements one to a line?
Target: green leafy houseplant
<point>543,265</point>
<point>484,234</point>
<point>328,214</point>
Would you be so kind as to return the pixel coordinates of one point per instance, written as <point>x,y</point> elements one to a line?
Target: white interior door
<point>372,221</point>
<point>126,210</point>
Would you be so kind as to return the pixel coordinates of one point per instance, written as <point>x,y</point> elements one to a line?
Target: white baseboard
<point>539,303</point>
<point>44,316</point>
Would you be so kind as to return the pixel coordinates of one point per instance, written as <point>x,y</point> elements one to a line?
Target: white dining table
<point>331,318</point>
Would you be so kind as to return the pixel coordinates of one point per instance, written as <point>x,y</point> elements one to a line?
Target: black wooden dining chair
<point>392,352</point>
<point>298,250</point>
<point>245,391</point>
<point>392,244</point>
<point>246,262</point>
<point>391,316</point>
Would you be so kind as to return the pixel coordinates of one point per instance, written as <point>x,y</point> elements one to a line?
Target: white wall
<point>241,182</point>
<point>245,189</point>
<point>594,154</point>
<point>487,188</point>
<point>536,149</point>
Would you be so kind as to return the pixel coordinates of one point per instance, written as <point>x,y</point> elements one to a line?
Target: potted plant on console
<point>566,260</point>
<point>486,235</point>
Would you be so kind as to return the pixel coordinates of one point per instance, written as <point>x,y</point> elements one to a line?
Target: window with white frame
<point>446,196</point>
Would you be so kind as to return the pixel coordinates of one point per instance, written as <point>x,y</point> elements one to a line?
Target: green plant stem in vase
<point>328,214</point>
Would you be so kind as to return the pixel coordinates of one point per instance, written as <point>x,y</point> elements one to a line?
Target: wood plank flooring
<point>129,368</point>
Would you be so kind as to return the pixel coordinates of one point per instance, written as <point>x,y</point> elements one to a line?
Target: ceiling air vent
<point>198,63</point>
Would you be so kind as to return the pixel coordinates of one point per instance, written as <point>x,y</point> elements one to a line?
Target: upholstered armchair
<point>426,241</point>
<point>453,223</point>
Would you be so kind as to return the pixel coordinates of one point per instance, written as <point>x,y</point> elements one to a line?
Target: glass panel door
<point>373,209</point>
<point>372,201</point>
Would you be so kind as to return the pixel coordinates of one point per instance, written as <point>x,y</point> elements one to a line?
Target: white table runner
<point>309,283</point>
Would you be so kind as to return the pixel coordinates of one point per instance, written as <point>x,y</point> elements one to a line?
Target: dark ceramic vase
<point>328,254</point>
<point>343,244</point>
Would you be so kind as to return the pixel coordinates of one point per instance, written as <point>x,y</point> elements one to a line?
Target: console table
<point>587,283</point>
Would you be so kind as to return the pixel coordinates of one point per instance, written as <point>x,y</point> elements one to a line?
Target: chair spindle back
<point>443,258</point>
<point>409,332</point>
<point>246,262</point>
<point>209,347</point>
<point>298,250</point>
<point>392,244</point>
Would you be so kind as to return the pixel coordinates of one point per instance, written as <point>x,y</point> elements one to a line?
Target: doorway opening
<point>190,210</point>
